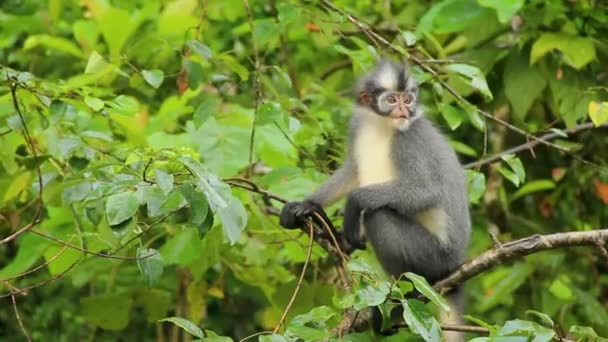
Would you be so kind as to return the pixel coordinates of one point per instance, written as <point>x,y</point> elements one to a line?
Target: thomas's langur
<point>402,180</point>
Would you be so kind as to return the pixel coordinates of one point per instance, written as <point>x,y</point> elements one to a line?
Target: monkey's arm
<point>340,183</point>
<point>405,197</point>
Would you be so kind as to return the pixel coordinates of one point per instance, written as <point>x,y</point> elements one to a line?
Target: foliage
<point>121,122</point>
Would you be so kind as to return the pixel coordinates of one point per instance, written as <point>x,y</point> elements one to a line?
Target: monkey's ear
<point>365,98</point>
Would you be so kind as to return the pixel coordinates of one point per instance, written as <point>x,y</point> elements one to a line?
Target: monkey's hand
<point>294,213</point>
<point>352,224</point>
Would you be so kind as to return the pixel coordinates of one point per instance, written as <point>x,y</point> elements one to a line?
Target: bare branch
<point>531,144</point>
<point>520,248</point>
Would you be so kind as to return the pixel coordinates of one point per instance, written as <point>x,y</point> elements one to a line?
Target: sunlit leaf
<point>577,51</point>
<point>185,324</point>
<point>153,77</point>
<point>598,112</point>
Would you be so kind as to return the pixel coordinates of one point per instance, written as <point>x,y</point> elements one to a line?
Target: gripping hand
<point>294,213</point>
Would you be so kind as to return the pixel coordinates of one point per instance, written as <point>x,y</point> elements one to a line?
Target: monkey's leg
<point>403,245</point>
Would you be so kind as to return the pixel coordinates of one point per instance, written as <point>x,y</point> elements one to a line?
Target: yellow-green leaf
<point>598,112</point>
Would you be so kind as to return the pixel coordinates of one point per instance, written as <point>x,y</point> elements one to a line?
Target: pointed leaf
<point>121,207</point>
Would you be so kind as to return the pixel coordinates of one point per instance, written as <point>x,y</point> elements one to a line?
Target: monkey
<point>405,189</point>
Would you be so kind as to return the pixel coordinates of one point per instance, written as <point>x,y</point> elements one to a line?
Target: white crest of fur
<point>386,77</point>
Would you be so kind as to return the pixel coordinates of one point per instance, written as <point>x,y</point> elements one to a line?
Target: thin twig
<point>42,283</point>
<point>299,284</point>
<point>33,270</point>
<point>30,142</point>
<point>530,144</point>
<point>16,309</point>
<point>86,251</point>
<point>257,86</point>
<point>256,335</point>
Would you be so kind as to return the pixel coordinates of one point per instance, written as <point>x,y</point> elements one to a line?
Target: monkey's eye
<point>408,99</point>
<point>391,99</point>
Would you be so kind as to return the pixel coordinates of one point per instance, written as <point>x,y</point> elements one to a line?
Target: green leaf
<point>419,320</point>
<point>598,112</point>
<point>519,327</point>
<point>56,43</point>
<point>450,16</point>
<point>506,9</point>
<point>199,208</point>
<point>222,146</point>
<point>372,295</point>
<point>108,311</point>
<point>234,219</point>
<point>509,175</point>
<point>164,180</point>
<point>150,265</point>
<point>476,78</point>
<point>476,184</point>
<point>94,103</point>
<point>516,165</point>
<point>474,116</point>
<point>577,51</point>
<point>307,333</point>
<point>125,104</point>
<point>201,49</point>
<point>452,115</point>
<point>523,84</point>
<point>185,324</point>
<point>217,192</point>
<point>121,207</point>
<point>560,288</point>
<point>533,186</point>
<point>116,25</point>
<point>543,316</point>
<point>318,316</point>
<point>409,37</point>
<point>269,113</point>
<point>427,290</point>
<point>205,109</point>
<point>156,303</point>
<point>504,283</point>
<point>153,77</point>
<point>232,64</point>
<point>462,148</point>
<point>182,249</point>
<point>272,338</point>
<point>19,184</point>
<point>96,63</point>
<point>586,334</point>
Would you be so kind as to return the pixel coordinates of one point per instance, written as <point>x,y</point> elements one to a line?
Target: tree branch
<point>520,248</point>
<point>531,144</point>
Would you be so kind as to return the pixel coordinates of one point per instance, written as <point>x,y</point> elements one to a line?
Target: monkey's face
<point>389,91</point>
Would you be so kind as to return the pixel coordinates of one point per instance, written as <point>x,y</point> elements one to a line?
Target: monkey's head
<point>391,92</point>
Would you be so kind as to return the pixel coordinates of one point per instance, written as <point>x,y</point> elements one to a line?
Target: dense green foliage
<point>130,114</point>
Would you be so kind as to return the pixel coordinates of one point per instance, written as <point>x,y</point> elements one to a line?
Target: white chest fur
<point>372,150</point>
